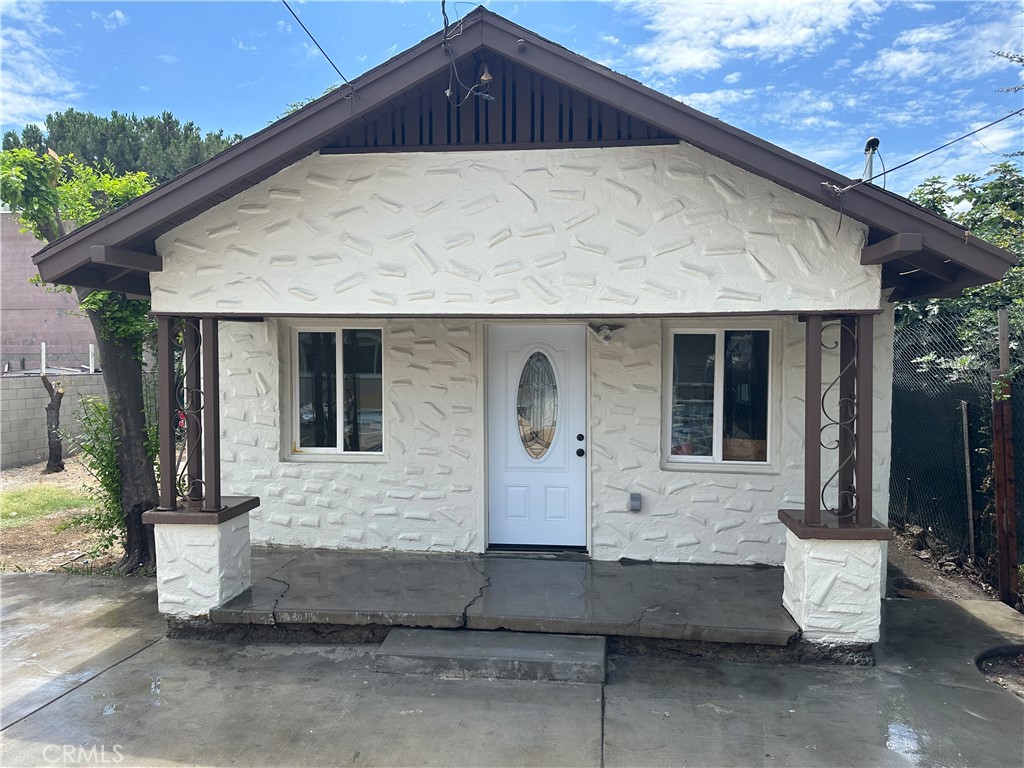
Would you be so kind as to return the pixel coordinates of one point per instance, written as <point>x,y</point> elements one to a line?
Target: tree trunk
<point>122,375</point>
<point>55,455</point>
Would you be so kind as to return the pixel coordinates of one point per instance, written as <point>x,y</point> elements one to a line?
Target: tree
<point>55,448</point>
<point>48,192</point>
<point>161,145</point>
<point>992,208</point>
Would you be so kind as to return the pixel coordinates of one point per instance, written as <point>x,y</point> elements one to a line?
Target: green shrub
<point>98,445</point>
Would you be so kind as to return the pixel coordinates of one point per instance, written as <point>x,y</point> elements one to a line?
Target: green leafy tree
<point>48,192</point>
<point>992,208</point>
<point>161,145</point>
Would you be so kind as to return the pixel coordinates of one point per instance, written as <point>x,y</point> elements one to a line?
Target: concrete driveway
<point>87,680</point>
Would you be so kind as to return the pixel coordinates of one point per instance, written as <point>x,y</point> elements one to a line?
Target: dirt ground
<point>37,546</point>
<point>913,577</point>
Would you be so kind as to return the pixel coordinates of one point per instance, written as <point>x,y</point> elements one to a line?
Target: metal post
<point>967,475</point>
<point>195,403</point>
<point>42,359</point>
<point>1003,470</point>
<point>864,428</point>
<point>211,413</point>
<point>847,412</point>
<point>168,413</point>
<point>812,420</point>
<point>92,358</point>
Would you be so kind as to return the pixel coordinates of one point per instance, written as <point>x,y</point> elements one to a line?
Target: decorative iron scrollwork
<point>845,423</point>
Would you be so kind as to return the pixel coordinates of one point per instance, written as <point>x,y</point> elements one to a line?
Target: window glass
<point>745,400</point>
<point>537,405</point>
<point>693,394</point>
<point>363,390</point>
<point>318,388</point>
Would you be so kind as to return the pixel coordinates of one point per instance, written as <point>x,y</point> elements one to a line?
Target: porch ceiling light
<point>485,75</point>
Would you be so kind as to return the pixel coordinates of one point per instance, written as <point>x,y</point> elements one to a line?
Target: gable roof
<point>922,254</point>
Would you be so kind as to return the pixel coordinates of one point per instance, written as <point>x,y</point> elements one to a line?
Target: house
<point>552,309</point>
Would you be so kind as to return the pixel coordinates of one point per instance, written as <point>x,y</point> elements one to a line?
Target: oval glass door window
<point>537,405</point>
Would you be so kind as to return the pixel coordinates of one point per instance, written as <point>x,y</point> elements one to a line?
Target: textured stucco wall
<point>200,567</point>
<point>695,514</point>
<point>832,589</point>
<point>428,492</point>
<point>634,230</point>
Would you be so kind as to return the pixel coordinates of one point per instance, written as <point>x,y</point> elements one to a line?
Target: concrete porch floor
<point>715,603</point>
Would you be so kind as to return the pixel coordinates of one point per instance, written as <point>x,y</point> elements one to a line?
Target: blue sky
<point>817,78</point>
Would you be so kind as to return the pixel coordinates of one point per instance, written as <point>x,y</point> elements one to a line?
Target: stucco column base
<point>833,589</point>
<point>199,567</point>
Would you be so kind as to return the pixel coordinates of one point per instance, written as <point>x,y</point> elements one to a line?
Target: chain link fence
<point>941,477</point>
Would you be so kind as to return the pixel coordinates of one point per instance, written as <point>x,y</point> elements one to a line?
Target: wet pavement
<point>175,702</point>
<point>59,631</point>
<point>718,603</point>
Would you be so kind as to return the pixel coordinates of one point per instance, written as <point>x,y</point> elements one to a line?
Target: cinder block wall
<point>23,402</point>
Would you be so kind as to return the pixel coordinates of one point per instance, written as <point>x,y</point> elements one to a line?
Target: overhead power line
<point>841,190</point>
<point>320,47</point>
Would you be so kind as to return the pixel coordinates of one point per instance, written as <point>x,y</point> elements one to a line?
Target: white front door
<point>537,434</point>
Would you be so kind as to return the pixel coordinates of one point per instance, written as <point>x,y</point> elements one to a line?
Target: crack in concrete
<point>273,608</point>
<point>480,593</point>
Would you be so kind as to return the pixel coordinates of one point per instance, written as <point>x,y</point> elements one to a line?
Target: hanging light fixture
<point>485,76</point>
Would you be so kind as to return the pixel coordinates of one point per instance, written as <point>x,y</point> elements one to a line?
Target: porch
<point>714,603</point>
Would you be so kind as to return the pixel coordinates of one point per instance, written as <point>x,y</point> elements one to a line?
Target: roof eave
<point>941,239</point>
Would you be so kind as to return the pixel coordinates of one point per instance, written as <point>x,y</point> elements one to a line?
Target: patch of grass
<point>23,505</point>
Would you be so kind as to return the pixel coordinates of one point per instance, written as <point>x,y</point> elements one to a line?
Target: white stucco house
<point>553,309</point>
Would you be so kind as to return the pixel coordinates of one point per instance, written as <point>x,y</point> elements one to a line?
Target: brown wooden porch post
<point>211,413</point>
<point>168,413</point>
<point>194,403</point>
<point>865,398</point>
<point>847,412</point>
<point>812,420</point>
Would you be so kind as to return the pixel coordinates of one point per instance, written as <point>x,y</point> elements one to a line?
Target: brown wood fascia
<point>248,317</point>
<point>233,506</point>
<point>134,286</point>
<point>500,147</point>
<point>830,527</point>
<point>130,260</point>
<point>893,247</point>
<point>300,134</point>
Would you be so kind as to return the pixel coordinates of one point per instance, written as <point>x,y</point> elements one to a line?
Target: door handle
<point>580,452</point>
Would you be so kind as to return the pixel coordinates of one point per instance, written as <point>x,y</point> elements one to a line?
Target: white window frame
<point>718,328</point>
<point>338,453</point>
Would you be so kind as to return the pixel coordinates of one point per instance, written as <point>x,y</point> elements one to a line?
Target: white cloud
<point>284,27</point>
<point>34,84</point>
<point>704,36</point>
<point>932,33</point>
<point>953,51</point>
<point>145,88</point>
<point>610,39</point>
<point>713,102</point>
<point>113,20</point>
<point>732,77</point>
<point>242,46</point>
<point>167,58</point>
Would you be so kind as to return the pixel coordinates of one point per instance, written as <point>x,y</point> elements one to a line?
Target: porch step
<point>497,654</point>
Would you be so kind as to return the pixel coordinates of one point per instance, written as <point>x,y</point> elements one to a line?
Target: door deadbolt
<point>580,452</point>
